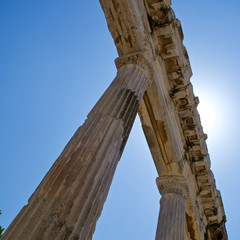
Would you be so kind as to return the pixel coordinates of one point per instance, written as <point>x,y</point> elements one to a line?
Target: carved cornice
<point>141,60</point>
<point>160,13</point>
<point>172,184</point>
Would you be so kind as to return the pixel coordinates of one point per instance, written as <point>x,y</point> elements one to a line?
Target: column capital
<point>172,184</point>
<point>140,59</point>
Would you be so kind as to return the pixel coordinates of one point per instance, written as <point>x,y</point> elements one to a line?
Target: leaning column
<point>69,200</point>
<point>171,222</point>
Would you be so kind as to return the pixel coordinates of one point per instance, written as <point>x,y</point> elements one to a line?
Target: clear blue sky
<point>57,58</point>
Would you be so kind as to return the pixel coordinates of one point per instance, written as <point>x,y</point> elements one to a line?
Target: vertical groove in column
<point>177,210</point>
<point>97,202</point>
<point>69,200</point>
<point>171,218</point>
<point>67,155</point>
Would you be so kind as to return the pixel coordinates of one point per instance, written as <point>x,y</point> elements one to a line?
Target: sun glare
<point>211,115</point>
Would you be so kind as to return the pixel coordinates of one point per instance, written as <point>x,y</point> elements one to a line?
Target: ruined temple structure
<point>153,80</point>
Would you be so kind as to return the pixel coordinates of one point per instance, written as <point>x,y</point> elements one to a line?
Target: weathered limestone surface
<point>171,222</point>
<point>69,200</point>
<point>204,203</point>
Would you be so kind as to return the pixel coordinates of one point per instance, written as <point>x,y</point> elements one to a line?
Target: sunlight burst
<point>211,115</point>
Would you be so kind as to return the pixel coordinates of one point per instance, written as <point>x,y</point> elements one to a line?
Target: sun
<point>211,115</point>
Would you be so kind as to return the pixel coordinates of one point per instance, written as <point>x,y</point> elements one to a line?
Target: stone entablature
<point>169,35</point>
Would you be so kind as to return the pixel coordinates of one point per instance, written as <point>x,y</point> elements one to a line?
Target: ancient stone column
<point>69,200</point>
<point>171,222</point>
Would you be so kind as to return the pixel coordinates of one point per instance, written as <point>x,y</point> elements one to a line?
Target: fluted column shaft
<point>70,198</point>
<point>171,222</point>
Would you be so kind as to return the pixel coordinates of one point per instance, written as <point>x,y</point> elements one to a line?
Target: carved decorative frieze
<point>161,12</point>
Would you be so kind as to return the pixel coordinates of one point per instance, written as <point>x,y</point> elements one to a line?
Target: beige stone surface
<point>154,79</point>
